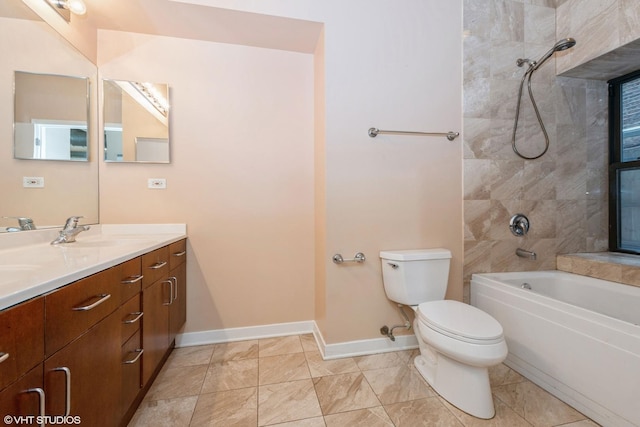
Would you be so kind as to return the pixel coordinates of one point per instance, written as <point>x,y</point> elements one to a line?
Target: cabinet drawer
<point>177,253</point>
<point>21,339</point>
<point>73,309</point>
<point>21,398</point>
<point>155,265</point>
<point>130,317</point>
<point>130,275</point>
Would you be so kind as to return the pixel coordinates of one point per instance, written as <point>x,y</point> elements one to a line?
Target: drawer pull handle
<point>175,282</point>
<point>3,356</point>
<point>139,352</point>
<point>132,279</point>
<point>41,400</point>
<point>170,282</point>
<point>103,298</point>
<point>158,265</point>
<point>67,388</point>
<point>179,253</point>
<point>138,315</point>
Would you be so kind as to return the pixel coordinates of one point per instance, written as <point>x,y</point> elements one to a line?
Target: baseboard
<point>328,351</point>
<point>247,333</point>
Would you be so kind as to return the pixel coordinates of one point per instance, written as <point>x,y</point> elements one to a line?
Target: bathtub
<point>575,336</point>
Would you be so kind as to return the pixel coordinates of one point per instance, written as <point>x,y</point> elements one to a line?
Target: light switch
<point>33,181</point>
<point>157,183</point>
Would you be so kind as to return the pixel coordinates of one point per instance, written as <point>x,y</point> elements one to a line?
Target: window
<point>624,163</point>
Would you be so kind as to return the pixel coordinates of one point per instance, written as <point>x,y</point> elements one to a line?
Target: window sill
<point>612,266</point>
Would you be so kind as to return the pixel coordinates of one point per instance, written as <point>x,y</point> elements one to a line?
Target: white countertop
<point>30,266</point>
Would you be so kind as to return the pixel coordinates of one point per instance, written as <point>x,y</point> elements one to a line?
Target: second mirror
<point>136,121</point>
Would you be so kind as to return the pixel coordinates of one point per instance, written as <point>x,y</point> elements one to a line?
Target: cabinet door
<point>178,306</point>
<point>21,339</point>
<point>25,397</point>
<point>131,371</point>
<point>83,379</point>
<point>155,326</point>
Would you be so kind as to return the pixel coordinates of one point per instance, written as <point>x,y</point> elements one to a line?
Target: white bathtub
<point>575,336</point>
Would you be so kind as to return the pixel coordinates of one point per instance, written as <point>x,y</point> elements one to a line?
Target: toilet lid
<point>460,320</point>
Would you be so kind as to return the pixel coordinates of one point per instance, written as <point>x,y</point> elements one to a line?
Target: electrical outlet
<point>33,181</point>
<point>157,183</point>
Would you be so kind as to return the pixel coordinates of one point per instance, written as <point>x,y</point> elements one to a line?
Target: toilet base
<point>465,387</point>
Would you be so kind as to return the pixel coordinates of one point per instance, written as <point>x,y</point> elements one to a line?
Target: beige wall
<point>266,185</point>
<point>241,174</point>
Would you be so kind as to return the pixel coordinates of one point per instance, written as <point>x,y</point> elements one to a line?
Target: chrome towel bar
<point>359,257</point>
<point>373,132</point>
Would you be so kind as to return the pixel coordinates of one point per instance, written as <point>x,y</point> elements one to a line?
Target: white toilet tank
<point>415,276</point>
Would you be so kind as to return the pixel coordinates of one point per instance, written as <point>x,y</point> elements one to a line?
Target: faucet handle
<point>72,222</point>
<point>25,223</point>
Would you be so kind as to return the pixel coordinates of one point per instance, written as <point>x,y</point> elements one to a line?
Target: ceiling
<point>191,21</point>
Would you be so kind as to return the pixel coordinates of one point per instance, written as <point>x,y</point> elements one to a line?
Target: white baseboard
<point>247,333</point>
<point>328,351</point>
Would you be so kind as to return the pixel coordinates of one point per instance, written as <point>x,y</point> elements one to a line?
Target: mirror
<point>48,192</point>
<point>51,117</point>
<point>136,121</point>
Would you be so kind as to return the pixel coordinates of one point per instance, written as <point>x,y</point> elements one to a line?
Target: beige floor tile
<point>423,412</point>
<point>283,402</point>
<point>239,350</point>
<point>283,368</point>
<point>344,392</point>
<point>505,416</point>
<point>407,356</point>
<point>177,382</point>
<point>536,405</point>
<point>280,345</point>
<point>583,423</point>
<point>190,356</point>
<point>307,422</point>
<point>308,342</point>
<point>231,375</point>
<point>320,367</point>
<point>379,361</point>
<point>502,374</point>
<point>227,408</point>
<point>370,417</point>
<point>176,412</point>
<point>398,384</point>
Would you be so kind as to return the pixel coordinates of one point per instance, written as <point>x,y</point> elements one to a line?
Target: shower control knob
<point>519,225</point>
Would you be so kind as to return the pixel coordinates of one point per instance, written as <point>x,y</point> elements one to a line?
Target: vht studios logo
<point>42,419</point>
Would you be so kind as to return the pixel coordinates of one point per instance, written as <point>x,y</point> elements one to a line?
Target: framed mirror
<point>48,192</point>
<point>51,117</point>
<point>136,121</point>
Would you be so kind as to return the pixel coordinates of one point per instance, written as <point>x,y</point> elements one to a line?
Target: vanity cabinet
<point>164,303</point>
<point>91,348</point>
<point>21,356</point>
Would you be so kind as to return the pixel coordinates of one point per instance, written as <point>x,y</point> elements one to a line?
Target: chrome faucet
<point>525,254</point>
<point>24,223</point>
<point>70,231</point>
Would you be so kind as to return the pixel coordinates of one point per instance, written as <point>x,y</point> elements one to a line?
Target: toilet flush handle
<point>393,265</point>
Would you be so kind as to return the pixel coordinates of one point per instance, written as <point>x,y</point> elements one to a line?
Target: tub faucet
<point>525,254</point>
<point>70,231</point>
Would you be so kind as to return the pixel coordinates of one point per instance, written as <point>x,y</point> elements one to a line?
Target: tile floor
<point>284,382</point>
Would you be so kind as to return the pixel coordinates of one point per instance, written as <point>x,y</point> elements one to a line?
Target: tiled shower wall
<point>563,193</point>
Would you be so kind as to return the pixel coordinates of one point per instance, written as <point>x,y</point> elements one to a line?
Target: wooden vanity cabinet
<point>21,356</point>
<point>92,348</point>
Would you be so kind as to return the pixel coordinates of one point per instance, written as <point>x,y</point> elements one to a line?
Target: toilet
<point>458,342</point>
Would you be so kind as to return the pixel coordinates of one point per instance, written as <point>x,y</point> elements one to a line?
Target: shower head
<point>563,44</point>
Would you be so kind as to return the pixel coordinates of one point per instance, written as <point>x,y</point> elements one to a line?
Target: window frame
<point>615,159</point>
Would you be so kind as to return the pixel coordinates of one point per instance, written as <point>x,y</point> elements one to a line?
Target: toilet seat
<point>460,321</point>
